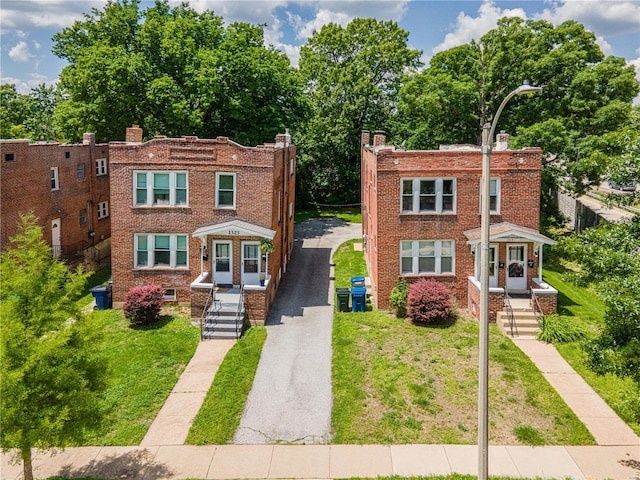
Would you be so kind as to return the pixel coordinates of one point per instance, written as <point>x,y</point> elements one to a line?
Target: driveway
<point>291,398</point>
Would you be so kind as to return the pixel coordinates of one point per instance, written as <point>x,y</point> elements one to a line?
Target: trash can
<point>358,299</point>
<point>101,294</point>
<point>357,281</point>
<point>343,299</point>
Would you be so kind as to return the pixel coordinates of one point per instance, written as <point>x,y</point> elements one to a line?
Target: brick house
<point>66,187</point>
<point>421,218</point>
<point>189,214</point>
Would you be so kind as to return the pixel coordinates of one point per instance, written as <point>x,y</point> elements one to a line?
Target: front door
<point>223,263</point>
<point>55,237</point>
<point>250,263</point>
<point>517,268</point>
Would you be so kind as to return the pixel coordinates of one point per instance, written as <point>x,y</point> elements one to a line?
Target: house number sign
<point>234,232</point>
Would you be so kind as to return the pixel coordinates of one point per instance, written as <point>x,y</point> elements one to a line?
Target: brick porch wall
<point>496,301</point>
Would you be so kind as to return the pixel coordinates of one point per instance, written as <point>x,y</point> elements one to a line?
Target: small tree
<point>50,374</point>
<point>429,301</point>
<point>398,297</point>
<point>142,304</point>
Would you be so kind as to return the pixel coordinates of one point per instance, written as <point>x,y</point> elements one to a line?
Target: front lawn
<point>349,215</point>
<point>145,365</point>
<point>395,383</point>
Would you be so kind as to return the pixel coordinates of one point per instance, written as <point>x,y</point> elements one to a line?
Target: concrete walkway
<point>603,423</point>
<point>330,461</point>
<point>174,419</point>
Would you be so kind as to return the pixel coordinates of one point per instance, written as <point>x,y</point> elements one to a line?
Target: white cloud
<point>25,15</point>
<point>468,28</point>
<point>605,46</point>
<point>606,17</point>
<point>635,63</point>
<point>323,17</point>
<point>36,45</point>
<point>20,53</point>
<point>25,87</point>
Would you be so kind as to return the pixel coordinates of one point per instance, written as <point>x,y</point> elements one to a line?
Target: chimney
<point>502,141</point>
<point>283,139</point>
<point>89,139</point>
<point>379,138</point>
<point>134,134</point>
<point>364,138</point>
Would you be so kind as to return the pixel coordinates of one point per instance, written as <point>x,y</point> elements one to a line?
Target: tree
<point>352,76</point>
<point>31,115</point>
<point>174,72</point>
<point>50,377</point>
<point>14,110</point>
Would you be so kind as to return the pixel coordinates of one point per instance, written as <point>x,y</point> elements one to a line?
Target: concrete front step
<point>525,324</point>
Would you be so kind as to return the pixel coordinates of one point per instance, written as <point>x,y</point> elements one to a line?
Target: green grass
<point>349,215</point>
<point>585,308</point>
<point>219,416</point>
<point>99,277</point>
<point>395,382</point>
<point>145,365</point>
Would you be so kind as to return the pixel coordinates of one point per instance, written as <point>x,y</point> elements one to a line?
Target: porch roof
<point>508,232</point>
<point>234,227</point>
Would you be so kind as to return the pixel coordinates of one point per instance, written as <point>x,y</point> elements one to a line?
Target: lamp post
<point>483,369</point>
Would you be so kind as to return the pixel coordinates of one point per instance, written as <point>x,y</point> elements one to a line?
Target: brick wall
<point>26,186</point>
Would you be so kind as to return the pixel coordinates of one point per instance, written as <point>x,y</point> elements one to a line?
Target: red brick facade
<point>386,171</point>
<point>75,202</point>
<point>264,193</point>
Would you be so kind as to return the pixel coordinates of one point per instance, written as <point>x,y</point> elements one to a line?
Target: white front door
<point>251,263</point>
<point>55,237</point>
<point>517,268</point>
<point>223,263</point>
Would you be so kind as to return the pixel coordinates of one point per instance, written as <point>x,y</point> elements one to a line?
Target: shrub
<point>560,329</point>
<point>142,304</point>
<point>428,301</point>
<point>398,297</point>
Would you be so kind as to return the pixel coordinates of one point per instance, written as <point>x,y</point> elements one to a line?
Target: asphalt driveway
<point>291,398</point>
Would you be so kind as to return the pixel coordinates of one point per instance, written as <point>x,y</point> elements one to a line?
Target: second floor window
<point>83,217</point>
<point>428,195</point>
<point>80,170</point>
<point>55,184</point>
<point>101,167</point>
<point>494,195</point>
<point>160,188</point>
<point>103,210</point>
<point>225,190</point>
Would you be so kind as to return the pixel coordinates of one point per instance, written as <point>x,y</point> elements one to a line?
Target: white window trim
<point>173,249</point>
<point>55,178</point>
<point>169,295</point>
<point>415,255</point>
<point>101,167</point>
<point>103,210</point>
<point>416,196</point>
<point>172,188</point>
<point>498,194</point>
<point>235,189</point>
<point>81,168</point>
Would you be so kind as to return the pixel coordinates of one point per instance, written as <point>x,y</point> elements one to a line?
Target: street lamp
<point>488,132</point>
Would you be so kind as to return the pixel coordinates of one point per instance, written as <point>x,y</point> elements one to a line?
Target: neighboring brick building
<point>66,187</point>
<point>190,213</point>
<point>421,218</point>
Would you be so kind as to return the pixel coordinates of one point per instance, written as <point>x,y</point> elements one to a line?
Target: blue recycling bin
<point>357,281</point>
<point>358,299</point>
<point>102,295</point>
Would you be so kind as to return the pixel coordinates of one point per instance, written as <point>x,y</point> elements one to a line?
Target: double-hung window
<point>428,195</point>
<point>494,195</point>
<point>101,167</point>
<point>103,210</point>
<point>424,257</point>
<point>160,250</point>
<point>225,190</point>
<point>167,188</point>
<point>55,184</point>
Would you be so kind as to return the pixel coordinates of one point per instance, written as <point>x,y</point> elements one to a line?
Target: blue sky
<point>433,25</point>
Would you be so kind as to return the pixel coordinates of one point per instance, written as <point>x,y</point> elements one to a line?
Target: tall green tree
<point>14,111</point>
<point>175,72</point>
<point>352,76</point>
<point>50,376</point>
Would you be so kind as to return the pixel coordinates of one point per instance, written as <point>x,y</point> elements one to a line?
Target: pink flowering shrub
<point>142,304</point>
<point>429,301</point>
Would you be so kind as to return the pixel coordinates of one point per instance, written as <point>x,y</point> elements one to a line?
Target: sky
<point>26,26</point>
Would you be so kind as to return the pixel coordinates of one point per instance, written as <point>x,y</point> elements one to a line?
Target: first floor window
<point>101,167</point>
<point>160,250</point>
<point>55,185</point>
<point>103,210</point>
<point>423,257</point>
<point>83,217</point>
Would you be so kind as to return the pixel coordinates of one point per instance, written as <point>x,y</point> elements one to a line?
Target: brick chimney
<point>364,138</point>
<point>89,139</point>
<point>502,141</point>
<point>134,134</point>
<point>379,138</point>
<point>283,139</point>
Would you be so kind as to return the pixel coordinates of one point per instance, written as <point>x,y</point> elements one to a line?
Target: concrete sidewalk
<point>604,424</point>
<point>330,461</point>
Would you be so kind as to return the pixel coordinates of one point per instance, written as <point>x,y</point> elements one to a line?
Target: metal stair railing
<point>509,309</point>
<point>240,313</point>
<point>537,309</point>
<point>206,311</point>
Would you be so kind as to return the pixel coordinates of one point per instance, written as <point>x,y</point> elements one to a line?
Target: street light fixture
<point>488,132</point>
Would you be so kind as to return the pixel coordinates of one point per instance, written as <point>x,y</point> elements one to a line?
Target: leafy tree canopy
<point>50,376</point>
<point>28,116</point>
<point>174,72</point>
<point>352,76</point>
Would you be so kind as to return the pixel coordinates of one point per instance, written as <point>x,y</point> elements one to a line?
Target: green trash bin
<point>343,299</point>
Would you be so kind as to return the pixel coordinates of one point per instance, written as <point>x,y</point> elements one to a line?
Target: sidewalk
<point>331,461</point>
